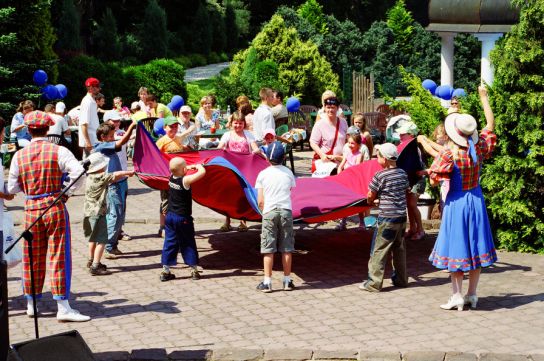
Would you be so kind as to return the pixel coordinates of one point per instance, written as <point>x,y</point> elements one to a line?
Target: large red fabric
<point>228,186</point>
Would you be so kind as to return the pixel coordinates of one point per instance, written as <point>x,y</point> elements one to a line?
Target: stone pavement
<point>222,316</point>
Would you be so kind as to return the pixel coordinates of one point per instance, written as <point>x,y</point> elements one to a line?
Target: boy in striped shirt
<point>390,186</point>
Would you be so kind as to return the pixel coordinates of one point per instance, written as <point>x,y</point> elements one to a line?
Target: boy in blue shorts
<point>274,185</point>
<point>108,146</point>
<point>391,186</point>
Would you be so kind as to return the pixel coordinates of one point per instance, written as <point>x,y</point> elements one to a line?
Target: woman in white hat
<point>465,242</point>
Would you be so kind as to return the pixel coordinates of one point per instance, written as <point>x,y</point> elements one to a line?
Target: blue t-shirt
<point>108,149</point>
<point>17,120</point>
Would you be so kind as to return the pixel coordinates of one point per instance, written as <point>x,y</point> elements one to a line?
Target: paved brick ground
<point>327,314</point>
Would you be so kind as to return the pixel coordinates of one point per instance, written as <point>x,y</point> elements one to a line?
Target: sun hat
<point>98,162</point>
<point>60,107</point>
<point>112,115</point>
<point>92,82</point>
<point>388,151</point>
<point>134,105</point>
<point>169,120</point>
<point>38,119</point>
<point>408,127</point>
<point>185,108</point>
<point>460,126</point>
<point>353,130</point>
<point>275,152</point>
<point>269,131</point>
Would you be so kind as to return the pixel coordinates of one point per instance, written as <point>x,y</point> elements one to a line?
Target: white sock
<point>286,279</point>
<point>30,305</point>
<point>166,268</point>
<point>267,280</point>
<point>63,306</point>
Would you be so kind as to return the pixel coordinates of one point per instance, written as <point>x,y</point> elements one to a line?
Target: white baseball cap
<point>60,107</point>
<point>388,151</point>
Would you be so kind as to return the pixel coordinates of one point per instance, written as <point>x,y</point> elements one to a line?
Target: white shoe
<point>30,312</point>
<point>471,300</point>
<point>72,316</point>
<point>454,301</point>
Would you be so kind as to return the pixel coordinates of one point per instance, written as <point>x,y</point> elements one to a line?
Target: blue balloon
<point>459,93</point>
<point>437,90</point>
<point>176,103</point>
<point>429,85</point>
<point>158,127</point>
<point>444,92</point>
<point>40,77</point>
<point>50,92</point>
<point>62,89</point>
<point>293,105</point>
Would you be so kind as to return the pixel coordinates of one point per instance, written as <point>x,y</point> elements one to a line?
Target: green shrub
<point>223,57</point>
<point>213,58</point>
<point>162,77</point>
<point>74,71</point>
<point>514,178</point>
<point>301,69</point>
<point>197,60</point>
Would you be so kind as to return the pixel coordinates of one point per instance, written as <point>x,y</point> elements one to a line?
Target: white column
<point>446,58</point>
<point>488,43</point>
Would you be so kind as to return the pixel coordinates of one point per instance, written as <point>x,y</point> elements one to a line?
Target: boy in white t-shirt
<point>274,197</point>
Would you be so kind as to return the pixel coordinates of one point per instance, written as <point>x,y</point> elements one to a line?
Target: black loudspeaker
<point>60,347</point>
<point>4,326</point>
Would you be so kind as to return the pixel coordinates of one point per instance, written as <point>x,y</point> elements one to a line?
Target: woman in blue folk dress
<point>465,242</point>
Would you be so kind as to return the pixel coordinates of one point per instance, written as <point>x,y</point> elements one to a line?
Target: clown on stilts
<point>39,170</point>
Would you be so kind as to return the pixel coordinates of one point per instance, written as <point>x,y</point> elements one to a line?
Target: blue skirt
<point>465,241</point>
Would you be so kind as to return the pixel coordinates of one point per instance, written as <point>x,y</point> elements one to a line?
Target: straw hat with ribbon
<point>462,130</point>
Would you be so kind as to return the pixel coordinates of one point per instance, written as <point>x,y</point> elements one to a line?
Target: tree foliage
<point>301,69</point>
<point>68,40</point>
<point>107,43</point>
<point>312,12</point>
<point>514,178</point>
<point>25,46</point>
<point>153,33</point>
<point>400,21</point>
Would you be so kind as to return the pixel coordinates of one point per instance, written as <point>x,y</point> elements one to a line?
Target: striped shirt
<point>391,185</point>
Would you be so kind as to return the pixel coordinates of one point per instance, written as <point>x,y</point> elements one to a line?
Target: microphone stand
<point>28,236</point>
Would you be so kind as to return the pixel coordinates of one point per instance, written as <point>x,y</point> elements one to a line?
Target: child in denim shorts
<point>391,186</point>
<point>274,197</point>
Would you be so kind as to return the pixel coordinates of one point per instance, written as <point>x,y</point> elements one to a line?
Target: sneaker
<point>264,288</point>
<point>288,286</point>
<point>124,236</point>
<point>99,271</point>
<point>110,255</point>
<point>116,251</point>
<point>195,275</point>
<point>365,287</point>
<point>167,276</point>
<point>72,316</point>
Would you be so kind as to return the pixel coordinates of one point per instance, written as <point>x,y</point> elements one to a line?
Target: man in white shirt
<point>273,186</point>
<point>263,118</point>
<point>88,117</point>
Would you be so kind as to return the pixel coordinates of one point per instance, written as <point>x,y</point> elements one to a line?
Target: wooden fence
<point>363,93</point>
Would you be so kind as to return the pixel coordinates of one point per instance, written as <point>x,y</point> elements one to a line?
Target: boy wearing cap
<point>391,186</point>
<point>171,142</point>
<point>38,171</point>
<point>95,227</point>
<point>273,186</point>
<point>179,227</point>
<point>88,116</point>
<point>109,147</point>
<point>187,129</point>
